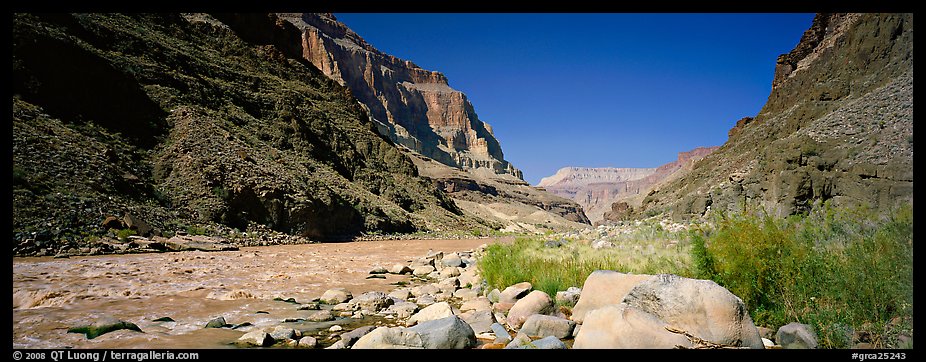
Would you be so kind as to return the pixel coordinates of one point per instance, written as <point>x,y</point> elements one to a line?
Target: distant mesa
<point>596,189</point>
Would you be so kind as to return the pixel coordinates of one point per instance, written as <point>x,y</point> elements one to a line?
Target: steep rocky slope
<point>838,125</point>
<point>597,189</point>
<point>197,120</point>
<point>414,107</point>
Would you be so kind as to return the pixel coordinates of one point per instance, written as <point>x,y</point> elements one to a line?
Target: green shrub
<point>124,234</point>
<point>834,268</point>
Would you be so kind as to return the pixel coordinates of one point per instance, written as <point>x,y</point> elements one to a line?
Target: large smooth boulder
<point>539,326</point>
<point>390,338</point>
<point>431,312</point>
<point>256,338</point>
<point>445,333</point>
<point>796,336</point>
<point>480,320</point>
<point>604,287</point>
<point>700,308</point>
<point>623,326</point>
<point>535,302</point>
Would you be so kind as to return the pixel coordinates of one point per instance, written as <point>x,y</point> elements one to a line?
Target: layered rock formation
<point>596,189</point>
<point>181,121</point>
<point>414,107</point>
<point>838,127</point>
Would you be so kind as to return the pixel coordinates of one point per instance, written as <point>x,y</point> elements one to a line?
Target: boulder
<point>568,297</point>
<point>112,222</point>
<point>283,333</point>
<point>307,342</point>
<point>622,326</point>
<point>379,270</point>
<point>402,310</point>
<point>134,223</point>
<point>796,336</point>
<point>494,295</point>
<point>103,326</point>
<point>423,270</point>
<point>602,244</point>
<point>349,338</point>
<point>512,293</point>
<point>700,307</point>
<point>390,338</point>
<point>445,333</point>
<point>450,272</point>
<point>480,321</point>
<point>538,326</point>
<point>256,338</point>
<point>480,303</point>
<point>604,287</point>
<point>216,323</point>
<point>452,260</point>
<point>400,269</point>
<point>466,294</point>
<point>373,301</point>
<point>320,316</point>
<point>431,312</point>
<point>536,302</point>
<point>335,296</point>
<point>400,294</point>
<point>544,343</point>
<point>501,334</point>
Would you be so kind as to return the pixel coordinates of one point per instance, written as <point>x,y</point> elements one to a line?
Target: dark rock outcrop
<point>192,119</point>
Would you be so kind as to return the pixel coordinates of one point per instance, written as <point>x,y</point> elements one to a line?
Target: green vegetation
<point>124,234</point>
<point>196,230</point>
<point>647,249</point>
<point>835,269</point>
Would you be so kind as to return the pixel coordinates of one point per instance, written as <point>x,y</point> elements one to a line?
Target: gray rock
<point>554,243</point>
<point>256,338</point>
<point>480,321</point>
<point>373,301</point>
<point>431,312</point>
<point>519,340</point>
<point>450,272</point>
<point>466,294</point>
<point>218,322</point>
<point>796,336</point>
<point>283,333</point>
<point>320,316</point>
<point>307,342</point>
<point>568,297</point>
<point>501,334</point>
<point>549,342</point>
<point>452,260</point>
<point>445,333</point>
<point>435,256</point>
<point>536,302</point>
<point>480,303</point>
<point>494,295</point>
<point>342,307</point>
<point>539,326</point>
<point>423,270</point>
<point>378,270</point>
<point>353,336</point>
<point>103,326</point>
<point>390,338</point>
<point>309,306</point>
<point>401,294</point>
<point>402,310</point>
<point>400,269</point>
<point>621,326</point>
<point>425,300</point>
<point>337,345</point>
<point>423,290</point>
<point>512,293</point>
<point>335,296</point>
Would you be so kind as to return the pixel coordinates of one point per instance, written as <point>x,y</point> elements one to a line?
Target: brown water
<point>51,295</point>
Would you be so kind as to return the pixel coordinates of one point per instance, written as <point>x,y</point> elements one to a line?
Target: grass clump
<point>556,269</point>
<point>837,269</point>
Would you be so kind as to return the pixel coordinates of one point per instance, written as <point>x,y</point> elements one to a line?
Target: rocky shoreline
<point>447,305</point>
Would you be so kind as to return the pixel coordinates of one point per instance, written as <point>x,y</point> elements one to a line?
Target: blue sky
<point>596,90</point>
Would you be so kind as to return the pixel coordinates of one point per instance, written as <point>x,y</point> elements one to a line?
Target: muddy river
<point>51,295</point>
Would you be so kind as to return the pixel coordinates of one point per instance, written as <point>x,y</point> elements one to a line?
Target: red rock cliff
<point>412,106</point>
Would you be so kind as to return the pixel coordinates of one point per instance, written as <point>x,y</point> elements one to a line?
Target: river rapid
<point>192,287</point>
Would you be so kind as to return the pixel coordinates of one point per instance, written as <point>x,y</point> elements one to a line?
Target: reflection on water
<point>52,295</point>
